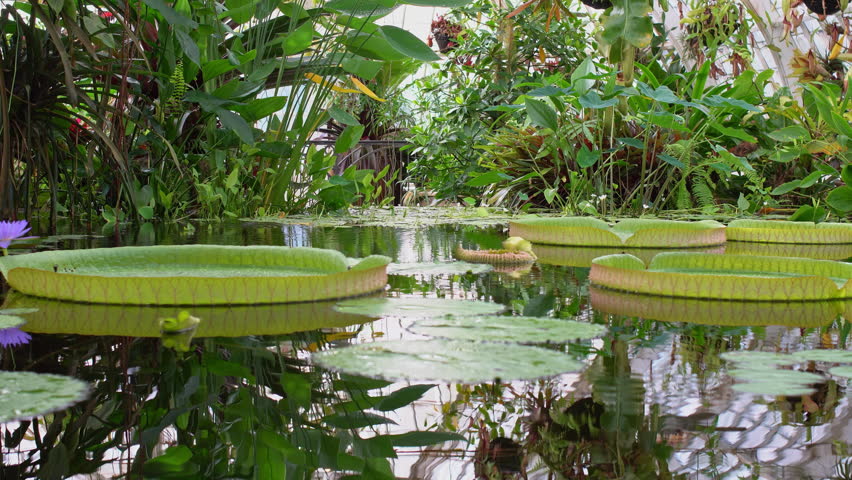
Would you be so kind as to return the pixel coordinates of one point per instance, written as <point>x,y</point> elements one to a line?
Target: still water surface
<point>653,400</point>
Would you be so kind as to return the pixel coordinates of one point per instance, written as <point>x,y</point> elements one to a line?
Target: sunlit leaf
<point>28,394</point>
<point>416,307</point>
<point>591,232</point>
<point>492,328</point>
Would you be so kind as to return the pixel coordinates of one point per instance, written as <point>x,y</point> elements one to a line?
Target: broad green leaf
<point>350,420</point>
<point>785,187</point>
<point>808,213</point>
<point>579,80</point>
<point>591,232</point>
<point>671,161</point>
<point>777,231</point>
<point>586,158</point>
<point>406,43</point>
<point>364,68</point>
<point>261,108</point>
<point>448,268</point>
<point>667,120</point>
<point>298,40</point>
<point>237,124</point>
<point>26,395</point>
<point>189,46</point>
<point>846,175</point>
<point>146,212</point>
<point>175,462</point>
<point>402,397</point>
<point>171,16</point>
<point>541,114</point>
<point>488,178</point>
<point>629,21</point>
<point>493,328</point>
<point>343,117</point>
<point>789,134</point>
<point>447,361</point>
<point>362,8</point>
<point>593,100</point>
<point>416,307</point>
<point>737,133</point>
<point>214,68</point>
<point>661,94</point>
<point>240,11</point>
<point>743,203</point>
<point>725,277</point>
<point>349,137</point>
<point>810,179</point>
<point>371,46</point>
<point>840,199</point>
<point>193,274</point>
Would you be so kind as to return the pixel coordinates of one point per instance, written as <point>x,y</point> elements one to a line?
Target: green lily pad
<point>757,374</point>
<point>725,277</point>
<point>493,328</point>
<point>9,321</point>
<point>583,256</point>
<point>28,394</point>
<point>758,358</point>
<point>54,316</point>
<point>779,231</point>
<point>845,371</point>
<point>829,356</point>
<point>829,251</point>
<point>447,361</point>
<point>716,312</point>
<point>633,232</point>
<point>773,388</point>
<point>494,257</point>
<point>17,311</point>
<point>416,307</point>
<point>450,268</point>
<point>194,275</point>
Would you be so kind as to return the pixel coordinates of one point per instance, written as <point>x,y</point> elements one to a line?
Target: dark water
<point>654,399</point>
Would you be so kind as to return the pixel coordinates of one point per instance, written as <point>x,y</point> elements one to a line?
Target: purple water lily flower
<point>10,231</point>
<point>13,336</point>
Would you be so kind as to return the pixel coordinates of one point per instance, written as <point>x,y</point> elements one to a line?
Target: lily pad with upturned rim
<point>447,361</point>
<point>782,231</point>
<point>567,256</point>
<point>416,307</point>
<point>26,395</point>
<point>838,251</point>
<point>725,277</point>
<point>494,328</point>
<point>194,275</point>
<point>494,257</point>
<point>633,232</point>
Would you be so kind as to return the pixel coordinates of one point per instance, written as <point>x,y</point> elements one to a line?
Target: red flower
<point>108,16</point>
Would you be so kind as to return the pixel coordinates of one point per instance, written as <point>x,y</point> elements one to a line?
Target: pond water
<point>662,394</point>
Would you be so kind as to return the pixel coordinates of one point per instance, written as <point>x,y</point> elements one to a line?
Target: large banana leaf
<point>636,233</point>
<point>54,316</point>
<point>725,277</point>
<point>194,275</point>
<point>583,256</point>
<point>718,312</point>
<point>777,231</point>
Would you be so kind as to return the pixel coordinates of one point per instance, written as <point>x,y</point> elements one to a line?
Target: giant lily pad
<point>494,257</point>
<point>778,231</point>
<point>636,233</point>
<point>194,275</point>
<point>583,256</point>
<point>447,361</point>
<point>832,251</point>
<point>717,312</point>
<point>28,394</point>
<point>725,277</point>
<point>493,328</point>
<point>416,307</point>
<point>54,316</point>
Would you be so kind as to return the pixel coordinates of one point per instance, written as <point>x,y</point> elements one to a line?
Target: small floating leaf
<point>830,356</point>
<point>416,307</point>
<point>447,361</point>
<point>845,371</point>
<point>760,358</point>
<point>17,311</point>
<point>765,374</point>
<point>773,388</point>
<point>508,329</point>
<point>28,394</point>
<point>450,268</point>
<point>9,321</point>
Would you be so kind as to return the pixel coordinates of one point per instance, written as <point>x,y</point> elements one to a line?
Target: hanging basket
<point>823,7</point>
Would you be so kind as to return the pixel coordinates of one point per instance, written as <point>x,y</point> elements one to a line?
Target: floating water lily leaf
<point>493,328</point>
<point>416,307</point>
<point>194,275</point>
<point>725,277</point>
<point>774,388</point>
<point>754,373</point>
<point>583,256</point>
<point>54,316</point>
<point>717,312</point>
<point>637,233</point>
<point>9,321</point>
<point>758,358</point>
<point>451,268</point>
<point>845,371</point>
<point>494,257</point>
<point>776,231</point>
<point>830,356</point>
<point>447,361</point>
<point>28,394</point>
<point>17,311</point>
<point>831,251</point>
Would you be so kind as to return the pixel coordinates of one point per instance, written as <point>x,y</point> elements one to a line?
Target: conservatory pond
<point>656,387</point>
